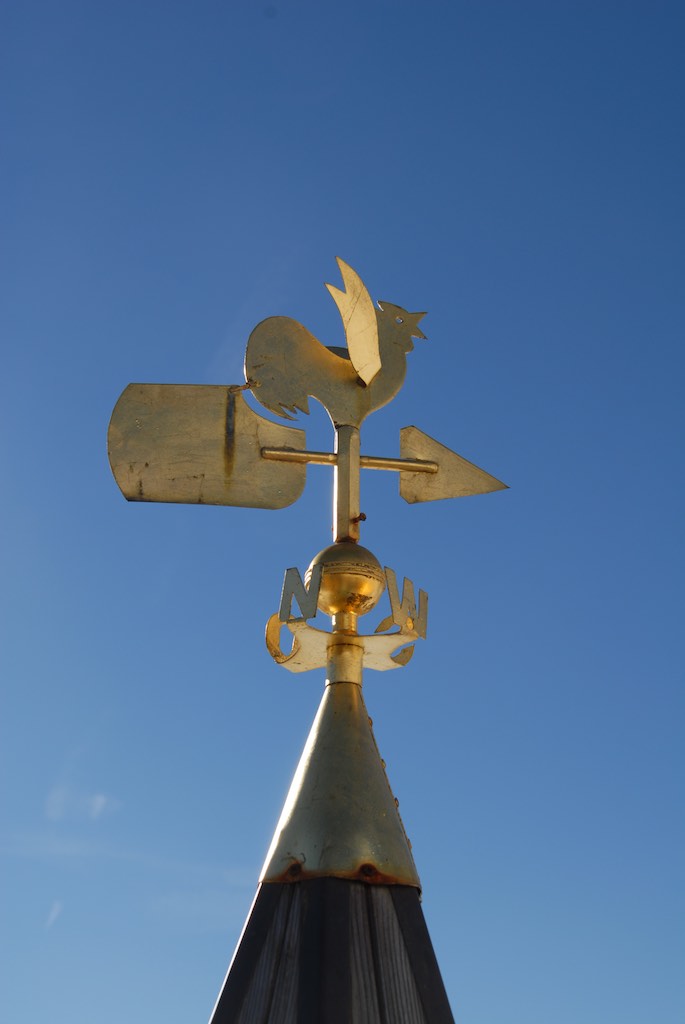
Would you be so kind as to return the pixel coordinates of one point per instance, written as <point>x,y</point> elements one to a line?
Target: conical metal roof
<point>340,817</point>
<point>336,932</point>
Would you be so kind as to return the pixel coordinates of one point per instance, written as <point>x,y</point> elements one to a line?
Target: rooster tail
<point>279,350</point>
<point>359,320</point>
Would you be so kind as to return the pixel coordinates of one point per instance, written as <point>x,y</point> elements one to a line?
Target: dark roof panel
<point>334,951</point>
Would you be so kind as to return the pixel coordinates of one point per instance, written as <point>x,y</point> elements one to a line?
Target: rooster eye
<point>399,320</point>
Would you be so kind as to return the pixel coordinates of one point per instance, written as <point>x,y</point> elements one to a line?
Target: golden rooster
<point>285,364</point>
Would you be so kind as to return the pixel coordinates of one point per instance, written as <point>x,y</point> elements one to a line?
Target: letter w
<point>405,609</point>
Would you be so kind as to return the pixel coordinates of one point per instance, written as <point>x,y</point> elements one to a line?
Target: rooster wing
<point>360,322</point>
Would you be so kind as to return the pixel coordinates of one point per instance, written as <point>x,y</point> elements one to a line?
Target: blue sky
<point>172,174</point>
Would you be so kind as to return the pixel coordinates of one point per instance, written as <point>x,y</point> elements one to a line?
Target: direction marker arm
<point>428,469</point>
<point>365,461</point>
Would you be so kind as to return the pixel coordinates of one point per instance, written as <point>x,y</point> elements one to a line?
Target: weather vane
<point>203,444</point>
<point>206,445</point>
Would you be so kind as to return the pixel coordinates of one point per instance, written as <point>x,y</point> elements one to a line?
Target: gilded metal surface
<point>285,365</point>
<point>352,579</point>
<point>346,517</point>
<point>204,445</point>
<point>350,583</point>
<point>398,465</point>
<point>455,478</point>
<point>403,610</point>
<point>306,595</point>
<point>345,659</point>
<point>340,817</point>
<point>199,444</point>
<point>304,457</point>
<point>359,320</point>
<point>308,649</point>
<point>310,646</point>
<point>365,461</point>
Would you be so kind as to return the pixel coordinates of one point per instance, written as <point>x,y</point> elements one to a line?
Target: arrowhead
<point>456,477</point>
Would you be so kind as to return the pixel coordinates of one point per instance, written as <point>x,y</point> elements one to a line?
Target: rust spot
<point>229,440</point>
<point>140,488</point>
<point>366,872</point>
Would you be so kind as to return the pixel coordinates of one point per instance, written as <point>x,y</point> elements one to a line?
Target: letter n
<point>294,589</point>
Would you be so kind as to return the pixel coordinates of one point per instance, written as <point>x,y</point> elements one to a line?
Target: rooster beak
<point>417,332</point>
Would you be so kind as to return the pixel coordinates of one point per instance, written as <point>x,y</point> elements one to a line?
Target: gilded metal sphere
<point>352,579</point>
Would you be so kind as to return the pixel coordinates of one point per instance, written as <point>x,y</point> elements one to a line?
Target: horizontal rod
<point>400,465</point>
<point>365,461</point>
<point>291,455</point>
